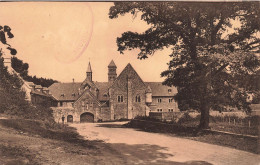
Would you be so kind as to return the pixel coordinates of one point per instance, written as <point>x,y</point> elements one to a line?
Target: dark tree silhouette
<point>209,61</point>
<point>22,68</point>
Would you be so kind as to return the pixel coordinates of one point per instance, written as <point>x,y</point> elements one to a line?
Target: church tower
<point>89,72</point>
<point>112,72</point>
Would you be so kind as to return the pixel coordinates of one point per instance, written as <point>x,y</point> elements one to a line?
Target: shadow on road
<point>91,151</point>
<point>119,125</point>
<point>144,154</point>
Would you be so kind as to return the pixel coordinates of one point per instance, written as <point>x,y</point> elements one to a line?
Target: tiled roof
<point>161,90</point>
<point>65,91</point>
<point>40,93</point>
<point>112,64</point>
<point>103,90</point>
<point>68,89</point>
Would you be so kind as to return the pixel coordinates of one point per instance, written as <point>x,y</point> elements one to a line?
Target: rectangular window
<point>159,100</point>
<point>138,98</point>
<point>170,100</point>
<point>120,99</point>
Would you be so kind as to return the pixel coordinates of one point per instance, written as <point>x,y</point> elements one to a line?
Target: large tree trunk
<point>204,119</point>
<point>205,104</point>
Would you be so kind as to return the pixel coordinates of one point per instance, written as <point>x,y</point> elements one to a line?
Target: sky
<point>58,39</point>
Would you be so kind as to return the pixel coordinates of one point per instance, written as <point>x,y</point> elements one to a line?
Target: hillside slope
<point>12,99</point>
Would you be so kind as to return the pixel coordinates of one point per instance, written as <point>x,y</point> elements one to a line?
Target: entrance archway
<point>87,117</point>
<point>70,119</point>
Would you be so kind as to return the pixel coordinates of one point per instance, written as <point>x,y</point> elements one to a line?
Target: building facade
<point>122,97</point>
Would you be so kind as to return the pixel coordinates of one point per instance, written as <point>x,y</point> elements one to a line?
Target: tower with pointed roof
<point>89,72</point>
<point>112,72</point>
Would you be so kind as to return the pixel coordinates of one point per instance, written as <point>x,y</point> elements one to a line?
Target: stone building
<point>35,94</point>
<point>122,97</point>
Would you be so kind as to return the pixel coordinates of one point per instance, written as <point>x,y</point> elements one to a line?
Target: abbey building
<point>121,97</point>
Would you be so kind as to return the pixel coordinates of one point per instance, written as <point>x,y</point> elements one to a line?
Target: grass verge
<point>191,132</point>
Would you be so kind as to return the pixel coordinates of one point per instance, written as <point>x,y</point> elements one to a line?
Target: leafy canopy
<point>214,47</point>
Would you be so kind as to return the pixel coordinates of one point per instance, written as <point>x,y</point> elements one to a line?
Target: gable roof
<point>128,73</point>
<point>88,92</point>
<point>66,89</point>
<point>35,92</point>
<point>103,89</point>
<point>158,89</point>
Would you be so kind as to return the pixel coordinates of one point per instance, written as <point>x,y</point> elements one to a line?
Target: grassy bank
<point>33,142</point>
<point>191,132</point>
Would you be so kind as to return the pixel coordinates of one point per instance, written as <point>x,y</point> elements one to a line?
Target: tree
<point>22,68</point>
<point>6,31</point>
<point>208,62</point>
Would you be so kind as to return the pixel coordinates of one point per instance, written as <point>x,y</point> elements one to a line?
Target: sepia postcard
<point>130,82</point>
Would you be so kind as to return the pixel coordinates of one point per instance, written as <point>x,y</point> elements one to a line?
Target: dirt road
<point>137,147</point>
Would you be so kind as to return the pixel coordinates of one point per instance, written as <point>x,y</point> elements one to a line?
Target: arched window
<point>120,99</point>
<point>138,98</point>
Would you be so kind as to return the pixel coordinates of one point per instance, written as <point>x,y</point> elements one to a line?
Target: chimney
<point>73,80</point>
<point>8,62</point>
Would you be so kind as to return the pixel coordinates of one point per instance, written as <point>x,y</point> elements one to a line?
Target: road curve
<point>137,147</point>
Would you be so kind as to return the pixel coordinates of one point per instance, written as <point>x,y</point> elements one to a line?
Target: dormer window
<point>62,95</point>
<point>169,90</point>
<point>73,94</point>
<point>105,95</point>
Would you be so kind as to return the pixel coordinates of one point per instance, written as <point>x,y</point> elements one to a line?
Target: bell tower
<point>89,72</point>
<point>112,72</point>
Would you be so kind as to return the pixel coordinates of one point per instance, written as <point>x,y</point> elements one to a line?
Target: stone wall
<point>129,85</point>
<point>105,114</point>
<point>165,105</point>
<point>86,103</point>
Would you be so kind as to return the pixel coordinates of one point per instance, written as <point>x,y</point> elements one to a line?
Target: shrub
<point>12,100</point>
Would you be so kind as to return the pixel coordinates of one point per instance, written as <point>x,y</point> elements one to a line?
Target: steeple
<point>89,72</point>
<point>112,72</point>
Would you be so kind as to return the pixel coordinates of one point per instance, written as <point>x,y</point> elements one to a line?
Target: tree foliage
<point>211,56</point>
<point>12,98</point>
<point>6,31</point>
<point>22,68</point>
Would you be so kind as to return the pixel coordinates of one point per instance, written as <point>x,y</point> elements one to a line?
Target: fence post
<point>249,123</point>
<point>234,121</point>
<point>229,120</point>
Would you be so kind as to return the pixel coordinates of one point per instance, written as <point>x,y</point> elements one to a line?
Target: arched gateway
<point>87,117</point>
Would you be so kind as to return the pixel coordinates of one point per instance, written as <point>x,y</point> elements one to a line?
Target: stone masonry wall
<point>165,105</point>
